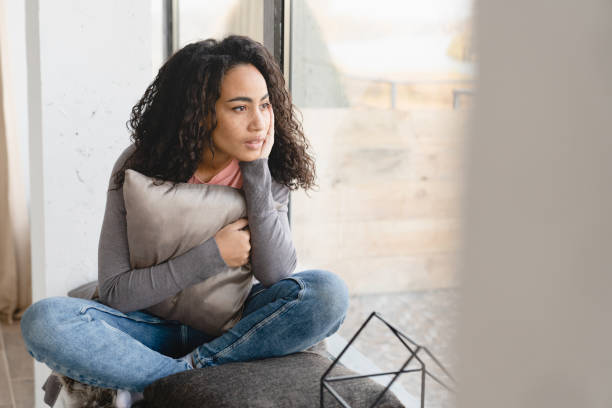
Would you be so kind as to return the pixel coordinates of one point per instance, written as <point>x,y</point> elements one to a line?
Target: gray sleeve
<point>128,289</point>
<point>273,255</point>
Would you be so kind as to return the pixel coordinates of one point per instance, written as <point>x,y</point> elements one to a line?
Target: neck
<point>209,166</point>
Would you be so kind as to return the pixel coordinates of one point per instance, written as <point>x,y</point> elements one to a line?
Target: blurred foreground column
<point>536,326</point>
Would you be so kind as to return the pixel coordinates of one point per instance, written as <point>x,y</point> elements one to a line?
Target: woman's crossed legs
<point>98,345</point>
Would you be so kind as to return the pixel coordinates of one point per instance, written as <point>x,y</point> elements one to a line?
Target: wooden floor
<point>16,369</point>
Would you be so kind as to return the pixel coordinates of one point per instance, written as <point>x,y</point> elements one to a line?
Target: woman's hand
<point>234,243</point>
<point>267,145</point>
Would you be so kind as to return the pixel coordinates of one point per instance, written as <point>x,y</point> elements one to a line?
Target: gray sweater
<point>273,256</point>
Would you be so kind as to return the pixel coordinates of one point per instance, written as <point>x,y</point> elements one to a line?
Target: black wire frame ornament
<point>413,348</point>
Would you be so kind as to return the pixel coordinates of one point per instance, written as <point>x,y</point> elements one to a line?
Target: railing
<point>456,96</point>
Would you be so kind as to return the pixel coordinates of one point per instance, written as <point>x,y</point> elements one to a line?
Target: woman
<point>217,113</point>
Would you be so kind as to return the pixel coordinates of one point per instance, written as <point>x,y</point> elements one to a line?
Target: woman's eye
<point>241,108</point>
<point>265,105</point>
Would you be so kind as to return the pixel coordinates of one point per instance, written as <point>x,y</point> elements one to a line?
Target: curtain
<point>15,269</point>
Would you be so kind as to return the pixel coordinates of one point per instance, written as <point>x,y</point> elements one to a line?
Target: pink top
<point>229,176</point>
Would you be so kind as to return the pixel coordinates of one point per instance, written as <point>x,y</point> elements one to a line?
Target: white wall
<point>536,328</point>
<point>95,62</point>
<point>88,63</point>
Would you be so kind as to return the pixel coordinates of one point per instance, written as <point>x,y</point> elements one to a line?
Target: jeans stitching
<point>256,293</point>
<point>287,306</point>
<point>284,308</point>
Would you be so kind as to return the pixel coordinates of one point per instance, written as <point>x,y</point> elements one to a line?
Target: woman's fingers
<point>234,243</point>
<point>239,224</point>
<point>270,134</point>
<point>269,142</point>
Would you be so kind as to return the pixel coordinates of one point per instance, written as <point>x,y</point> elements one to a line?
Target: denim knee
<point>329,293</point>
<point>40,319</point>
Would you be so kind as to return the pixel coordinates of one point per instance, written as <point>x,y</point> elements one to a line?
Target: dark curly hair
<point>174,120</point>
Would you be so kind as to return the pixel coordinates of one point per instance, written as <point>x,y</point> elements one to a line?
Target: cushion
<point>289,381</point>
<point>166,220</point>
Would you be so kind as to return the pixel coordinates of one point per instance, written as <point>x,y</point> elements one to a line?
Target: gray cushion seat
<point>289,381</point>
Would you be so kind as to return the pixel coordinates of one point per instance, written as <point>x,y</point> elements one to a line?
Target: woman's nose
<point>258,120</point>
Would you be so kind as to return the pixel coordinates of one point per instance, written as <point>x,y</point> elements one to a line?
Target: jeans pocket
<point>137,316</point>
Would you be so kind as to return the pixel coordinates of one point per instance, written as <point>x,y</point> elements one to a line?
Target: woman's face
<point>243,115</point>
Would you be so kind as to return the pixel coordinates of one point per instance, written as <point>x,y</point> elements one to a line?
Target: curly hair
<point>174,120</point>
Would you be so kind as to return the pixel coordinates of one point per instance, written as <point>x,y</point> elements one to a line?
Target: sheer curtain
<point>15,274</point>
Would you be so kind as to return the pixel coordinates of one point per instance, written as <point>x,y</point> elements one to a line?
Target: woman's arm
<point>128,289</point>
<point>273,256</point>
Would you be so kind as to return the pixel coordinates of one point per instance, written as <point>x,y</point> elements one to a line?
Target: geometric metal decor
<point>414,350</point>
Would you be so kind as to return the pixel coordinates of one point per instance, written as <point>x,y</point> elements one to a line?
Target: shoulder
<point>125,154</point>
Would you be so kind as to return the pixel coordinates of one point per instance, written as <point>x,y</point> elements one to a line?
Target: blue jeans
<point>98,345</point>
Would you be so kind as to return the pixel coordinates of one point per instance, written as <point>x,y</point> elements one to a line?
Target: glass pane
<point>199,20</point>
<point>385,93</point>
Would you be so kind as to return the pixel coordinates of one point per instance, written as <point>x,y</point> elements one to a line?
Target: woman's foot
<point>87,396</point>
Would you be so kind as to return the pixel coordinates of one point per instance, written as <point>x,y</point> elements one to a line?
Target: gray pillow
<point>290,381</point>
<point>165,222</point>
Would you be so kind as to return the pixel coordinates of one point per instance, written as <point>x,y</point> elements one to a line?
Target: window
<point>383,90</point>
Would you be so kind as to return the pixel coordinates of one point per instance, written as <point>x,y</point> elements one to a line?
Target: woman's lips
<point>254,144</point>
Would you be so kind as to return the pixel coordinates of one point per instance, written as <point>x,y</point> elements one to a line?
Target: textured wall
<point>88,63</point>
<point>95,62</point>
